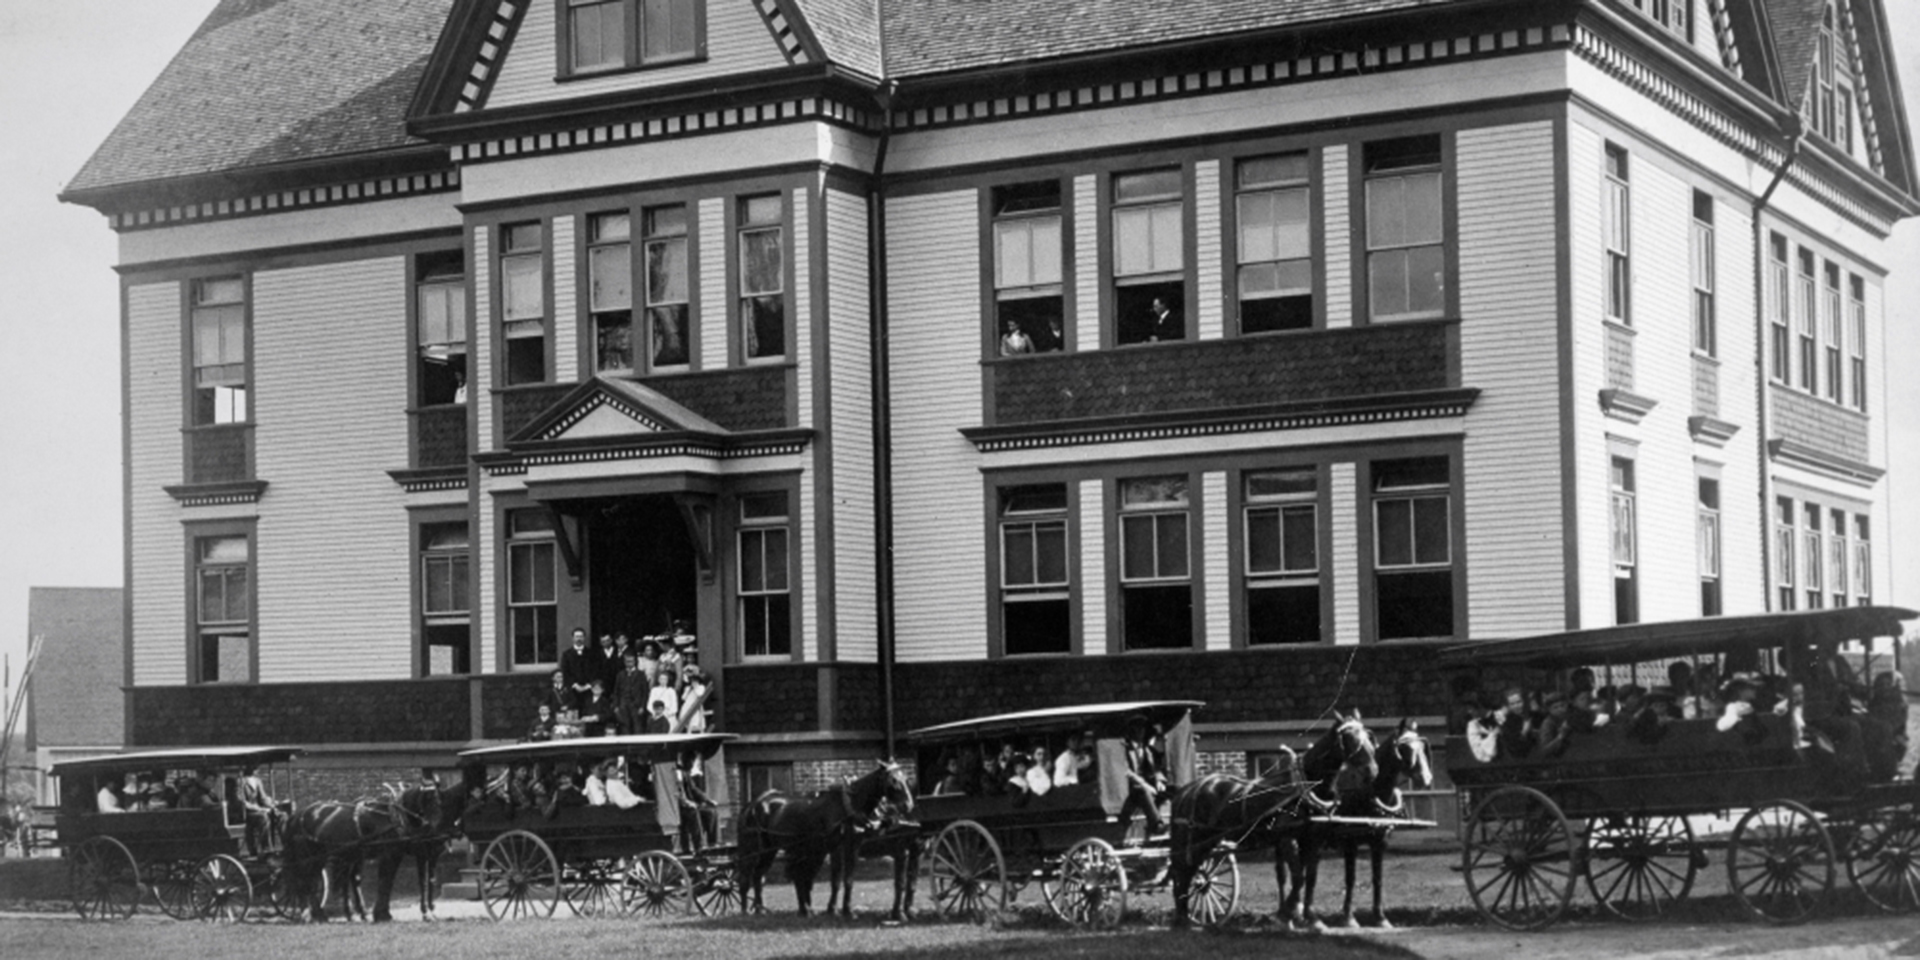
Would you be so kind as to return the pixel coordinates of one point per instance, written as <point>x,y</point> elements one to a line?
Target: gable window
<point>1857,339</point>
<point>1035,582</point>
<point>445,569</point>
<point>1626,543</point>
<point>533,597</point>
<point>763,277</point>
<point>1706,336</point>
<point>223,618</point>
<point>667,286</point>
<point>1616,226</point>
<point>610,290</point>
<point>1783,549</point>
<point>1813,556</point>
<point>1029,299</point>
<point>1707,544</point>
<point>1155,576</point>
<point>1149,256</point>
<point>219,351</point>
<point>440,299</point>
<point>1826,77</point>
<point>1413,548</point>
<point>1273,212</point>
<point>1805,306</point>
<point>604,35</point>
<point>1831,323</point>
<point>1780,300</point>
<point>523,295</point>
<point>1671,14</point>
<point>1406,233</point>
<point>766,617</point>
<point>1282,517</point>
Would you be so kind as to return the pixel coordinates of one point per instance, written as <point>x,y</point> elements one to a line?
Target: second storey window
<point>1029,300</point>
<point>220,351</point>
<point>1831,324</point>
<point>1283,556</point>
<point>1405,231</point>
<point>523,297</point>
<point>1275,254</point>
<point>1149,256</point>
<point>533,597</point>
<point>612,34</point>
<point>1413,548</point>
<point>1805,306</point>
<point>766,600</point>
<point>1706,337</point>
<point>610,290</point>
<point>1857,339</point>
<point>1615,227</point>
<point>1035,584</point>
<point>1156,580</point>
<point>763,276</point>
<point>445,569</point>
<point>1780,303</point>
<point>667,285</point>
<point>222,612</point>
<point>441,303</point>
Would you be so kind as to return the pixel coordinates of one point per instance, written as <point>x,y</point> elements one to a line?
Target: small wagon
<point>602,860</point>
<point>192,856</point>
<point>1621,805</point>
<point>1072,840</point>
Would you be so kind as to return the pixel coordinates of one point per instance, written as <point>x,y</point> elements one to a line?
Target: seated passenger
<point>1518,735</point>
<point>699,816</point>
<point>993,777</point>
<point>1071,761</point>
<point>1483,731</point>
<point>1017,777</point>
<point>567,794</point>
<point>596,785</point>
<point>520,788</point>
<point>1144,780</point>
<point>952,783</point>
<point>619,792</point>
<point>543,726</point>
<point>108,799</point>
<point>1887,704</point>
<point>1039,781</point>
<point>1556,729</point>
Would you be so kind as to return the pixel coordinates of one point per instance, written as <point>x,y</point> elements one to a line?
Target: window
<point>445,567</point>
<point>1862,561</point>
<point>1707,544</point>
<point>223,618</point>
<point>1149,256</point>
<point>610,290</point>
<point>1406,251</point>
<point>220,351</point>
<point>1671,14</point>
<point>1275,255</point>
<point>1413,548</point>
<point>533,600</point>
<point>763,276</point>
<point>523,294</point>
<point>1283,556</point>
<point>1155,576</point>
<point>1035,585</point>
<point>1843,118</point>
<point>1813,557</point>
<point>765,598</point>
<point>667,286</point>
<point>1706,336</point>
<point>1783,543</point>
<point>1857,339</point>
<point>1029,299</point>
<point>1825,109</point>
<point>1837,583</point>
<point>1616,226</point>
<point>440,301</point>
<point>1626,547</point>
<point>611,34</point>
<point>1804,323</point>
<point>1830,329</point>
<point>1782,304</point>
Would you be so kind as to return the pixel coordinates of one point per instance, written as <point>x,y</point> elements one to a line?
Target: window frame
<point>1704,274</point>
<point>1857,340</point>
<point>1780,318</point>
<point>502,252</point>
<point>646,238</point>
<point>737,229</point>
<point>1368,499</point>
<point>1708,544</point>
<point>1119,513</point>
<point>1244,580</point>
<point>1109,207</point>
<point>424,618</point>
<point>509,542</point>
<point>1806,323</point>
<point>1623,529</point>
<point>1813,554</point>
<point>632,42</point>
<point>1361,248</point>
<point>197,630</point>
<point>420,279</point>
<point>1616,233</point>
<point>998,519</point>
<point>592,243</point>
<point>991,220</point>
<point>1832,334</point>
<point>1786,541</point>
<point>1232,191</point>
<point>192,291</point>
<point>742,526</point>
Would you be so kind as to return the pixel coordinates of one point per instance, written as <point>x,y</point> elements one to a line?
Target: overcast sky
<point>70,69</point>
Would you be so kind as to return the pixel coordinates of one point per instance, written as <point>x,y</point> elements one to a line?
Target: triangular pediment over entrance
<point>612,418</point>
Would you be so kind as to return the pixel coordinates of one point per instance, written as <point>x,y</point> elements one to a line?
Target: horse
<point>1359,781</point>
<point>892,837</point>
<point>441,821</point>
<point>809,830</point>
<point>338,837</point>
<point>1220,808</point>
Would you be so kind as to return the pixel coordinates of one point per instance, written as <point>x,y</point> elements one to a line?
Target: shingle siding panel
<point>154,416</point>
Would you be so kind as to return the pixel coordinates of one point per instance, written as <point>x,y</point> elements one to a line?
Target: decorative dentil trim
<point>783,33</point>
<point>486,63</point>
<point>304,198</point>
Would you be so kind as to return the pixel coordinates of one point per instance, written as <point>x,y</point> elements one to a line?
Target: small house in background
<point>76,704</point>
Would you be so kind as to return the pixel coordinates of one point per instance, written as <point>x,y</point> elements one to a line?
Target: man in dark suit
<point>580,666</point>
<point>1167,324</point>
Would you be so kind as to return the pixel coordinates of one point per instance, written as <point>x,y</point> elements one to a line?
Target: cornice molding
<point>1795,453</point>
<point>1711,431</point>
<point>1223,422</point>
<point>1625,405</point>
<point>652,446</point>
<point>426,479</point>
<point>217,494</point>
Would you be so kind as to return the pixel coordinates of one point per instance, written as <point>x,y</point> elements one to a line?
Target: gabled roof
<point>848,31</point>
<point>607,405</point>
<point>1796,33</point>
<point>268,82</point>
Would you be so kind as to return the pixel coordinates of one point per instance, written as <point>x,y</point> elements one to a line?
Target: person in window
<point>520,793</point>
<point>1014,342</point>
<point>1165,324</point>
<point>460,386</point>
<point>579,665</point>
<point>952,783</point>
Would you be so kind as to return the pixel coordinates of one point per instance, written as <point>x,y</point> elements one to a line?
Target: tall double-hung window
<point>669,329</point>
<point>1282,515</point>
<point>1156,575</point>
<point>1149,256</point>
<point>1813,556</point>
<point>1857,339</point>
<point>610,290</point>
<point>446,565</point>
<point>1806,305</point>
<point>1707,544</point>
<point>1832,330</point>
<point>223,604</point>
<point>766,600</point>
<point>220,351</point>
<point>761,235</point>
<point>440,298</point>
<point>523,302</point>
<point>1780,310</point>
<point>533,595</point>
<point>1830,89</point>
<point>1405,229</point>
<point>1837,555</point>
<point>1616,228</point>
<point>602,35</point>
<point>1626,542</point>
<point>1413,548</point>
<point>1035,576</point>
<point>1706,336</point>
<point>1784,540</point>
<point>1273,211</point>
<point>1028,296</point>
<point>1862,568</point>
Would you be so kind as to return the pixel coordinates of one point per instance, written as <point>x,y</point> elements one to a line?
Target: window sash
<point>1148,240</point>
<point>669,30</point>
<point>597,34</point>
<point>1154,547</point>
<point>444,580</point>
<point>443,316</point>
<point>763,562</point>
<point>523,293</point>
<point>1412,532</point>
<point>223,599</point>
<point>762,262</point>
<point>530,574</point>
<point>1027,253</point>
<point>1034,555</point>
<point>1282,540</point>
<point>220,338</point>
<point>667,271</point>
<point>1707,539</point>
<point>610,277</point>
<point>1705,334</point>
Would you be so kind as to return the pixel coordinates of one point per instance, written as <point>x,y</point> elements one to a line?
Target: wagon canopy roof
<point>1641,642</point>
<point>1164,712</point>
<point>654,748</point>
<point>217,757</point>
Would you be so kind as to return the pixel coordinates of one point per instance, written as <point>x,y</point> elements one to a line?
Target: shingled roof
<point>848,30</point>
<point>1796,35</point>
<point>266,82</point>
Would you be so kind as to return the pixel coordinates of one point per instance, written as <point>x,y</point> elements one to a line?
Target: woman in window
<point>1014,342</point>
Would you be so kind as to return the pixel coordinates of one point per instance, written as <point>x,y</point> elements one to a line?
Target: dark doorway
<point>641,566</point>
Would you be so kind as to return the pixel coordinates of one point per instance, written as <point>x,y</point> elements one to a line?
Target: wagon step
<point>465,888</point>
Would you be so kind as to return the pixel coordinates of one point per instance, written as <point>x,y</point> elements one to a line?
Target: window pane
<point>1018,552</point>
<point>776,540</point>
<point>1259,215</point>
<point>1037,498</point>
<point>1015,241</point>
<point>213,598</point>
<point>521,277</point>
<point>461,583</point>
<point>443,536</point>
<point>1264,170</point>
<point>766,326</point>
<point>1393,520</point>
<point>223,550</point>
<point>669,326</point>
<point>1387,283</point>
<point>764,506</point>
<point>761,262</point>
<point>1050,549</point>
<point>1132,241</point>
<point>1414,605</point>
<point>1170,531</point>
<point>1292,237</point>
<point>237,599</point>
<point>1046,250</point>
<point>667,271</point>
<point>1136,548</point>
<point>599,36</point>
<point>437,579</point>
<point>1386,212</point>
<point>611,277</point>
<point>542,557</point>
<point>1289,614</point>
<point>1423,208</point>
<point>1141,186</point>
<point>760,210</point>
<point>1169,253</point>
<point>1158,618</point>
<point>1426,280</point>
<point>1263,541</point>
<point>1430,535</point>
<point>1302,544</point>
<point>220,290</point>
<point>1154,490</point>
<point>1036,626</point>
<point>1411,472</point>
<point>753,561</point>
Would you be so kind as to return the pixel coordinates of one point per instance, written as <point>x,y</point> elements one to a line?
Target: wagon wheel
<point>656,884</point>
<point>519,877</point>
<point>592,887</point>
<point>1216,888</point>
<point>1638,867</point>
<point>222,892</point>
<point>1092,886</point>
<point>716,890</point>
<point>1780,862</point>
<point>1519,858</point>
<point>104,879</point>
<point>966,874</point>
<point>1883,860</point>
<point>172,884</point>
<point>293,898</point>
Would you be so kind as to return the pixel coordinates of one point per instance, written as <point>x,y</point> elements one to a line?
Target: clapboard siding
<point>1589,527</point>
<point>851,397</point>
<point>737,42</point>
<point>939,546</point>
<point>713,283</point>
<point>566,303</point>
<point>1338,242</point>
<point>158,586</point>
<point>1207,245</point>
<point>486,658</point>
<point>1213,561</point>
<point>1093,567</point>
<point>1742,524</point>
<point>1086,262</point>
<point>804,539</point>
<point>1343,568</point>
<point>802,301</point>
<point>330,354</point>
<point>1509,350</point>
<point>1878,395</point>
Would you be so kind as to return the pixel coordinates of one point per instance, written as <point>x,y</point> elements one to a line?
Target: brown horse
<point>807,831</point>
<point>440,822</point>
<point>894,838</point>
<point>339,837</point>
<point>1363,782</point>
<point>1222,808</point>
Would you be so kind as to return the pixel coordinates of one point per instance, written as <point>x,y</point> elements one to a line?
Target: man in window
<point>1165,323</point>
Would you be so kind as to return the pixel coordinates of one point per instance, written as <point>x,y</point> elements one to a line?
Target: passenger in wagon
<point>520,792</point>
<point>108,799</point>
<point>1016,781</point>
<point>1483,728</point>
<point>951,783</point>
<point>567,794</point>
<point>1145,781</point>
<point>1518,735</point>
<point>613,779</point>
<point>1068,766</point>
<point>1039,781</point>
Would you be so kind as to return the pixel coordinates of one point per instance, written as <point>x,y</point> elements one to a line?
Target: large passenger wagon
<point>1623,806</point>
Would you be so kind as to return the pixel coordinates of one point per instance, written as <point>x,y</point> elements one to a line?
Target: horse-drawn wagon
<point>1622,804</point>
<point>656,856</point>
<point>182,832</point>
